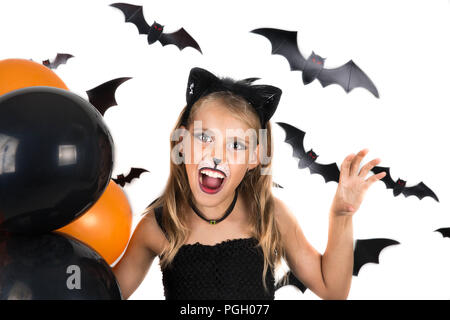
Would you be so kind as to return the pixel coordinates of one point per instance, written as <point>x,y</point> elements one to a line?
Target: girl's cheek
<point>237,157</point>
<point>197,151</point>
<point>237,173</point>
<point>253,157</point>
<point>238,169</point>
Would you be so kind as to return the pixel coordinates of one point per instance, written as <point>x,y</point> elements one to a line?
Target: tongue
<point>210,182</point>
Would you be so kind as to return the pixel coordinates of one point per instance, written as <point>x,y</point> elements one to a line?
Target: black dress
<point>231,269</point>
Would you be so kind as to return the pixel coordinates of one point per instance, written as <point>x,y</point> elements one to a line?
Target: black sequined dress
<point>231,269</point>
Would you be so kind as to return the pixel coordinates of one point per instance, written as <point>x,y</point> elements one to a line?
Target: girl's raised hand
<point>353,184</point>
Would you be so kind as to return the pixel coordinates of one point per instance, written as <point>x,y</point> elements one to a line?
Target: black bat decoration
<point>102,97</point>
<point>348,76</point>
<point>291,280</point>
<point>61,58</point>
<point>368,250</point>
<point>444,231</point>
<point>154,32</point>
<point>420,190</point>
<point>276,185</point>
<point>134,174</point>
<point>294,137</point>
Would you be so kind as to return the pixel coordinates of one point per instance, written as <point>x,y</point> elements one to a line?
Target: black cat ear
<point>265,102</point>
<point>249,80</point>
<point>264,98</point>
<point>198,83</point>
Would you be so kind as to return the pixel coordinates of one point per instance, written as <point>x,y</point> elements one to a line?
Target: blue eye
<point>237,145</point>
<point>203,137</point>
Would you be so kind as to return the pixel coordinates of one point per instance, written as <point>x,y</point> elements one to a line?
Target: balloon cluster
<point>63,222</point>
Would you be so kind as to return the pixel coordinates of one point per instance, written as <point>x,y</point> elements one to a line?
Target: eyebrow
<point>229,138</point>
<point>238,139</point>
<point>203,129</point>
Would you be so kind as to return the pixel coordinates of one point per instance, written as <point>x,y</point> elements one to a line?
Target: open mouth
<point>211,180</point>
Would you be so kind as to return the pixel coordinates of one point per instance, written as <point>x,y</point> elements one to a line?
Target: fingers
<point>375,177</point>
<point>354,167</point>
<point>368,166</point>
<point>345,167</point>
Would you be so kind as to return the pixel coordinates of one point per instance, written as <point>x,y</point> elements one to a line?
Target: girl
<point>217,229</point>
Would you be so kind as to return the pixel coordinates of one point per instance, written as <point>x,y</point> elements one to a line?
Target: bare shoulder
<point>283,215</point>
<point>149,233</point>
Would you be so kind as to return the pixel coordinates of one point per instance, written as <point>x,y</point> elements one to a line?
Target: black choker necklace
<point>213,221</point>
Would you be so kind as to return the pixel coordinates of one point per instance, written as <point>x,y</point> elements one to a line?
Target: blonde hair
<point>256,188</point>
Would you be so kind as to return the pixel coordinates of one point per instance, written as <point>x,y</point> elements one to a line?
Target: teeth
<point>213,174</point>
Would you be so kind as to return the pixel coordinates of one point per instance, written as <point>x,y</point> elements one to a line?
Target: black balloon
<point>56,158</point>
<point>53,266</point>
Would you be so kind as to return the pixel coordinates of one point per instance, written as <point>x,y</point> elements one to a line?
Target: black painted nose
<point>216,161</point>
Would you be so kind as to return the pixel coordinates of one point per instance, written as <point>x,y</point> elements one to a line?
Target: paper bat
<point>444,231</point>
<point>61,58</point>
<point>420,190</point>
<point>294,137</point>
<point>368,250</point>
<point>348,76</point>
<point>154,32</point>
<point>276,185</point>
<point>291,280</point>
<point>134,174</point>
<point>102,97</point>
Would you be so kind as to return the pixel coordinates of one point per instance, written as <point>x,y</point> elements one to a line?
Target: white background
<point>402,45</point>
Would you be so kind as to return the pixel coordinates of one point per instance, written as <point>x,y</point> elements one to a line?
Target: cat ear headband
<point>263,98</point>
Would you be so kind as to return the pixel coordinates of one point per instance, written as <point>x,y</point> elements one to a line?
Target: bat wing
<point>61,58</point>
<point>420,191</point>
<point>276,185</point>
<point>290,279</point>
<point>294,137</point>
<point>444,231</point>
<point>368,250</point>
<point>387,179</point>
<point>134,173</point>
<point>133,14</point>
<point>330,172</point>
<point>285,44</point>
<point>120,180</point>
<point>180,38</point>
<point>102,97</point>
<point>348,76</point>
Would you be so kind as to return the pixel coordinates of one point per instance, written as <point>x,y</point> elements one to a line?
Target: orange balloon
<point>106,226</point>
<point>20,73</point>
